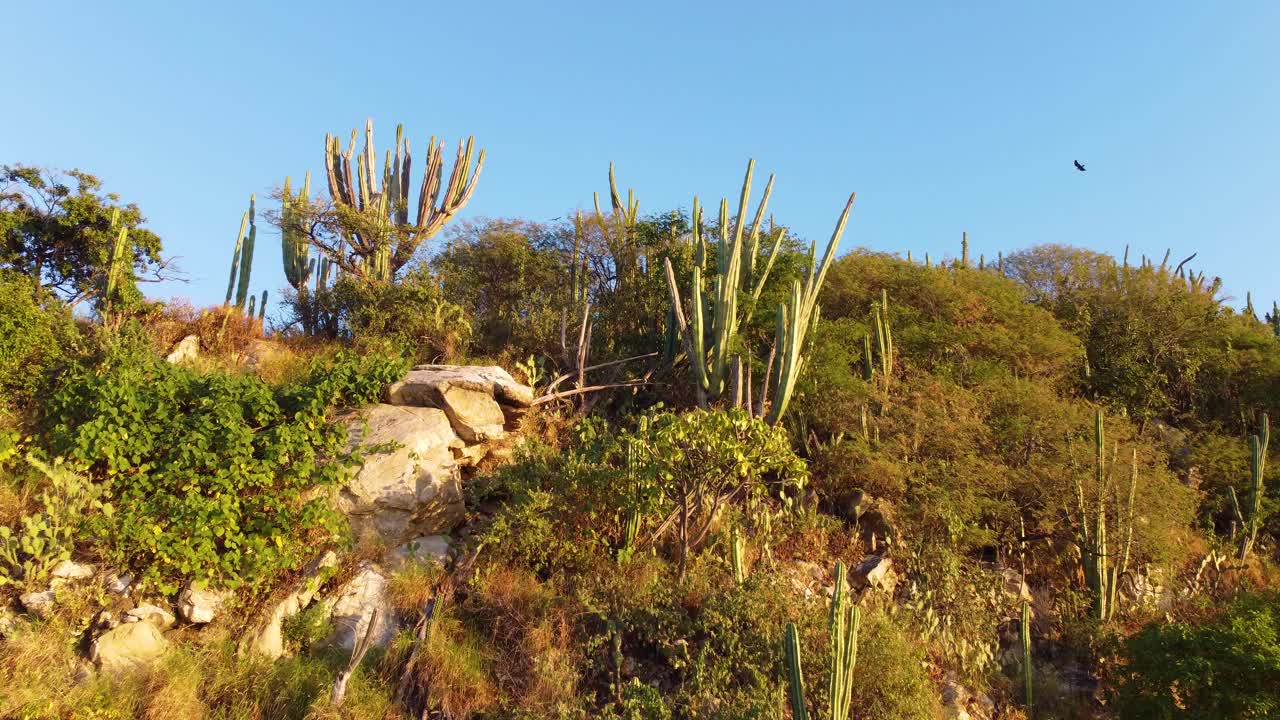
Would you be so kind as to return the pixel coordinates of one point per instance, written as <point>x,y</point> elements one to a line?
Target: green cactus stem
<point>795,674</point>
<point>244,246</point>
<point>1258,445</point>
<point>737,556</point>
<point>842,634</point>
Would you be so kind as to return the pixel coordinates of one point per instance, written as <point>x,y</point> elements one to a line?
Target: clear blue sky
<point>942,115</point>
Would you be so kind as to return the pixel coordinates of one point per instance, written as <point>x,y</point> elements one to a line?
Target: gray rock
<point>354,605</point>
<point>71,570</point>
<point>267,637</point>
<point>429,547</point>
<point>128,646</point>
<point>422,385</point>
<point>199,605</point>
<point>414,489</point>
<point>875,572</point>
<point>39,604</point>
<point>187,349</point>
<point>118,584</point>
<point>154,614</point>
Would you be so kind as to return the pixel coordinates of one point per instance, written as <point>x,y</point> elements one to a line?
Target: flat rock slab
<point>418,386</point>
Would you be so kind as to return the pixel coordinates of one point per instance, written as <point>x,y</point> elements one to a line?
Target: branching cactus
<point>295,247</point>
<point>842,635</point>
<point>119,263</point>
<point>1257,466</point>
<point>375,216</point>
<point>242,258</point>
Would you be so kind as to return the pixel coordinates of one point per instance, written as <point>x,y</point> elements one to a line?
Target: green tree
<point>56,229</point>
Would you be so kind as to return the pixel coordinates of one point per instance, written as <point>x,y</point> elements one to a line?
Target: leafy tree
<point>1225,668</point>
<point>55,228</point>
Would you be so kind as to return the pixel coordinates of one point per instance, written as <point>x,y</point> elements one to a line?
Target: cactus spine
<point>1257,466</point>
<point>842,634</point>
<point>242,258</point>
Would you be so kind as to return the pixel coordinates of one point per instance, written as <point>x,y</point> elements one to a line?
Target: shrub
<point>32,339</point>
<point>213,475</point>
<point>1225,668</point>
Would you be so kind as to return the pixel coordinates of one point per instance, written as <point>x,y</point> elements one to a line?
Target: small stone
<point>154,614</point>
<point>71,570</point>
<point>187,349</point>
<point>354,607</point>
<point>118,584</point>
<point>128,646</point>
<point>875,572</point>
<point>199,605</point>
<point>428,547</point>
<point>39,604</point>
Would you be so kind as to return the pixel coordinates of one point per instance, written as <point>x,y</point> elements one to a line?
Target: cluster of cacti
<point>118,264</point>
<point>242,259</point>
<point>1102,571</point>
<point>1257,467</point>
<point>295,246</point>
<point>710,335</point>
<point>842,637</point>
<point>375,216</point>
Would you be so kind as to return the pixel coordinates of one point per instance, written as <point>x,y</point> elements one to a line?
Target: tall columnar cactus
<point>964,249</point>
<point>842,636</point>
<point>119,263</point>
<point>795,673</point>
<point>1257,466</point>
<point>797,318</point>
<point>242,258</point>
<point>884,334</point>
<point>262,309</point>
<point>737,555</point>
<point>1273,318</point>
<point>295,246</point>
<point>1027,668</point>
<point>710,341</point>
<point>375,217</point>
<point>1102,572</point>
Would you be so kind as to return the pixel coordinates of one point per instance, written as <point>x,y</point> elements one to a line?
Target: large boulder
<point>411,489</point>
<point>187,350</point>
<point>127,646</point>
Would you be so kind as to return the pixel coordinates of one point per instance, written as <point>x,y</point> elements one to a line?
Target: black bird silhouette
<point>1078,165</point>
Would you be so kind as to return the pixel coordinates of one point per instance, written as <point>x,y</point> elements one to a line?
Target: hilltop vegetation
<point>1045,476</point>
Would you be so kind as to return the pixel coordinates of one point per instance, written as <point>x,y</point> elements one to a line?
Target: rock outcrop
<point>436,422</point>
<point>199,605</point>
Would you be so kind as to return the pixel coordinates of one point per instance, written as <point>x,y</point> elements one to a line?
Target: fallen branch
<point>357,655</point>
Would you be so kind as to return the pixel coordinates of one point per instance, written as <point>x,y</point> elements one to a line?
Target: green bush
<point>212,475</point>
<point>1222,669</point>
<point>32,339</point>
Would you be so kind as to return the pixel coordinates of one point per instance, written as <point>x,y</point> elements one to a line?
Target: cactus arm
<point>235,257</point>
<point>795,674</point>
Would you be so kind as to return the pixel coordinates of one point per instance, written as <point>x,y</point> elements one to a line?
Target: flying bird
<point>1078,165</point>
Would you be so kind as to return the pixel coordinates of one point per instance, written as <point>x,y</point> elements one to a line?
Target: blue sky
<point>944,116</point>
